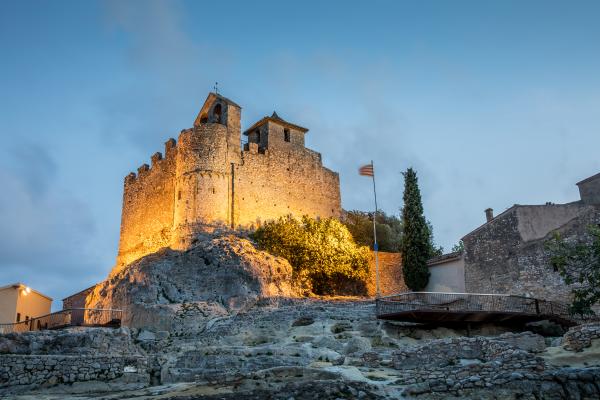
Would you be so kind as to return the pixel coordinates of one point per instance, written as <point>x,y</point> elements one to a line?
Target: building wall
<point>8,305</point>
<point>391,280</point>
<point>277,137</point>
<point>33,305</point>
<point>507,255</point>
<point>77,300</point>
<point>536,221</point>
<point>589,190</point>
<point>148,206</point>
<point>447,277</point>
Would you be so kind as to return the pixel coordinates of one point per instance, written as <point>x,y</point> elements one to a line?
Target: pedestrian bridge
<point>448,308</point>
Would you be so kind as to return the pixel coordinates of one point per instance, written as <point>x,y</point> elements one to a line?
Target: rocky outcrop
<point>218,273</point>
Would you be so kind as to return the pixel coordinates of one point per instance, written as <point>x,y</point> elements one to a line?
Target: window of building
<point>217,113</point>
<point>286,135</point>
<point>257,136</point>
<point>18,317</point>
<point>27,318</point>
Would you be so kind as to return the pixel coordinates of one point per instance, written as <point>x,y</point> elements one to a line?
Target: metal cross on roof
<point>216,87</point>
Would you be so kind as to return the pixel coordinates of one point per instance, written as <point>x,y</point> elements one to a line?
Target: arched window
<point>217,113</point>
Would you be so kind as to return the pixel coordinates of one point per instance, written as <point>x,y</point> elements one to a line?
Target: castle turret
<point>220,110</point>
<point>203,175</point>
<point>275,133</point>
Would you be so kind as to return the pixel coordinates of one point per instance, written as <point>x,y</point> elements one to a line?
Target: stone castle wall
<point>288,180</point>
<point>148,207</point>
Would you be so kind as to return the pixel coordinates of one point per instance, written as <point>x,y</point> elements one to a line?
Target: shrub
<point>389,229</point>
<point>578,263</point>
<point>322,252</point>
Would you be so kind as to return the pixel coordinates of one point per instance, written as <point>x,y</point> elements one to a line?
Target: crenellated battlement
<point>206,180</point>
<point>156,161</point>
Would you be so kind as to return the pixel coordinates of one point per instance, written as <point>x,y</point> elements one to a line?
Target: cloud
<point>46,234</point>
<point>163,67</point>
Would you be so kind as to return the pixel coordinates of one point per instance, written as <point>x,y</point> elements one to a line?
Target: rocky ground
<point>223,321</point>
<point>330,349</point>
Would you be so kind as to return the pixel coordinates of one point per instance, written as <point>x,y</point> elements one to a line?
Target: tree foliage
<point>578,263</point>
<point>416,243</point>
<point>389,229</point>
<point>322,252</point>
<point>458,247</point>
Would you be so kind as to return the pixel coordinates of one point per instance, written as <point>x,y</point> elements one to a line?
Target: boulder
<point>224,271</point>
<point>357,345</point>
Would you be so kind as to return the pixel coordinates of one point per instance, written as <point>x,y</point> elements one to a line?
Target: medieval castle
<point>207,180</point>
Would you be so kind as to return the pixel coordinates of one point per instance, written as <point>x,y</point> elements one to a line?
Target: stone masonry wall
<point>290,180</point>
<point>508,255</point>
<point>581,336</point>
<point>391,280</point>
<point>509,365</point>
<point>148,205</point>
<point>36,370</point>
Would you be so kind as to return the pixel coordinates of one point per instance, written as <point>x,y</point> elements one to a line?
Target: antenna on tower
<point>216,87</point>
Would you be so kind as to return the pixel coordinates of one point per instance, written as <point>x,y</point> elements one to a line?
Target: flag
<point>366,170</point>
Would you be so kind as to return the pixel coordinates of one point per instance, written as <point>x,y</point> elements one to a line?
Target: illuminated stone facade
<point>207,180</point>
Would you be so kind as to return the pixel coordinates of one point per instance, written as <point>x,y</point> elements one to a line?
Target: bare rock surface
<point>219,273</point>
<point>299,348</point>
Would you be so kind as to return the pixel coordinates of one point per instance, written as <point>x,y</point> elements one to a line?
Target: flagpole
<point>375,247</point>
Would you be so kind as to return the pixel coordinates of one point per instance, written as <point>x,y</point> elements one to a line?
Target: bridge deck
<point>433,307</point>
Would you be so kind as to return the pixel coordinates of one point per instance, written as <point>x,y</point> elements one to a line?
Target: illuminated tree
<point>389,229</point>
<point>325,258</point>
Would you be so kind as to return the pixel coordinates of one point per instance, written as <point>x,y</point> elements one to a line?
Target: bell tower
<point>220,110</point>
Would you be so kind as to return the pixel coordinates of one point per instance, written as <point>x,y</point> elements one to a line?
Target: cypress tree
<point>416,241</point>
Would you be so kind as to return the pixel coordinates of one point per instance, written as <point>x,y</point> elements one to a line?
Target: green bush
<point>322,252</point>
<point>389,229</point>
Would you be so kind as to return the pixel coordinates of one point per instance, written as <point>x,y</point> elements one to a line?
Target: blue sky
<point>493,103</point>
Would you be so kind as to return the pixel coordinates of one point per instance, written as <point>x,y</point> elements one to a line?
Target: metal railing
<point>469,302</point>
<point>90,317</point>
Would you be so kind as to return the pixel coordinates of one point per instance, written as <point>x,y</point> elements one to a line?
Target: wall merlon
<point>143,169</point>
<point>130,178</point>
<point>170,147</point>
<point>156,157</point>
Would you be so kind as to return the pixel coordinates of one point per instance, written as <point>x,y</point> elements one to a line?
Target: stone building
<point>507,254</point>
<point>207,180</point>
